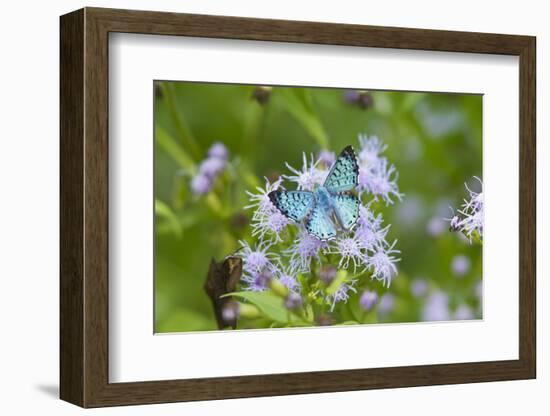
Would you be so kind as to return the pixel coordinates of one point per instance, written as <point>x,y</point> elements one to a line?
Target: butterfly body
<point>332,200</point>
<point>324,200</point>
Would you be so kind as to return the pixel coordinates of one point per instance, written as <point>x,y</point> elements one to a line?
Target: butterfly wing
<point>292,204</point>
<point>319,224</point>
<point>343,174</point>
<point>346,207</point>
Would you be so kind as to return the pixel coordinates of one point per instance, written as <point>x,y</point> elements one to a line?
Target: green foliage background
<point>434,140</point>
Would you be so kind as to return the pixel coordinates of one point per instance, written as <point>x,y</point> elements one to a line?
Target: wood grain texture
<point>84,207</point>
<point>527,208</point>
<point>71,185</point>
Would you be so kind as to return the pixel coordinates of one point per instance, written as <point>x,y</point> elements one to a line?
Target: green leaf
<point>300,107</point>
<point>340,278</point>
<point>247,175</point>
<point>180,121</point>
<point>268,303</point>
<point>172,148</point>
<point>304,95</point>
<point>309,313</point>
<point>165,212</point>
<point>410,101</point>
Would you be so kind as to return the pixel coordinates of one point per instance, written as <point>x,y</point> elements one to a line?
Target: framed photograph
<point>260,207</point>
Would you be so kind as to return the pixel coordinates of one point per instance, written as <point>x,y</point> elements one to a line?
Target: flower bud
<point>386,304</point>
<point>200,184</point>
<point>419,287</point>
<point>218,151</point>
<point>262,94</point>
<point>247,310</point>
<point>263,279</point>
<point>278,288</point>
<point>293,301</point>
<point>460,265</point>
<point>368,300</point>
<point>211,167</point>
<point>360,98</point>
<point>327,273</point>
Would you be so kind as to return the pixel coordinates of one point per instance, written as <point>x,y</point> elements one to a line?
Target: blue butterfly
<point>332,199</point>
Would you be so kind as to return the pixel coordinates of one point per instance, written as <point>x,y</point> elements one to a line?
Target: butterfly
<point>332,199</point>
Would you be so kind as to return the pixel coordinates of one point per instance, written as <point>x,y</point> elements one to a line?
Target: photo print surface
<point>282,207</point>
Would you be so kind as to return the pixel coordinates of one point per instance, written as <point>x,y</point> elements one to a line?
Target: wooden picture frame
<point>85,218</point>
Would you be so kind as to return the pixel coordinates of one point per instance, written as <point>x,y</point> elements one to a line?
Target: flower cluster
<point>469,219</point>
<point>311,175</point>
<point>260,266</point>
<point>266,219</point>
<point>324,273</point>
<point>376,175</point>
<point>209,169</point>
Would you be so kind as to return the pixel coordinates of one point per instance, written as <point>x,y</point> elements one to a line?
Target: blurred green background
<point>434,140</point>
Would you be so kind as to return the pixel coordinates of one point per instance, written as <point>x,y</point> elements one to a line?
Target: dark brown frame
<point>84,207</point>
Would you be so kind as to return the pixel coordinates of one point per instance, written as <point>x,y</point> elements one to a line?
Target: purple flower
<point>382,264</point>
<point>436,226</point>
<point>266,220</point>
<point>349,249</point>
<point>293,301</point>
<point>260,201</point>
<point>327,273</point>
<point>369,231</point>
<point>219,151</point>
<point>386,304</point>
<point>476,198</point>
<point>211,167</point>
<point>342,294</point>
<point>258,265</point>
<point>258,258</point>
<point>463,313</point>
<point>470,220</point>
<point>371,148</point>
<point>436,307</point>
<point>290,282</point>
<point>304,249</point>
<point>326,158</point>
<point>455,223</point>
<point>419,287</point>
<point>307,178</point>
<point>472,211</point>
<point>368,300</point>
<point>380,182</point>
<point>200,184</point>
<point>258,281</point>
<point>375,176</point>
<point>273,224</point>
<point>460,265</point>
